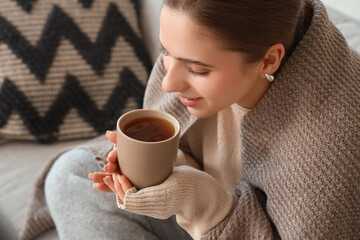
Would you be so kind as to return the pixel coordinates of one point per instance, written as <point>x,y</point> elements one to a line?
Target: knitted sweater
<point>200,191</point>
<point>300,147</point>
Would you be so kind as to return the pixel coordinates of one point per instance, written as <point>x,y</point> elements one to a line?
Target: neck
<point>255,95</point>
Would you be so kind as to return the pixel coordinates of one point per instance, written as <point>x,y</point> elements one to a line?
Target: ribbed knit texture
<point>197,199</point>
<point>300,145</point>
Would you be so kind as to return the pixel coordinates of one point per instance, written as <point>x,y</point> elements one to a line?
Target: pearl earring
<point>269,77</point>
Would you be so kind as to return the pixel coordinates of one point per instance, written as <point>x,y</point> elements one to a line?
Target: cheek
<point>212,89</point>
<point>224,87</point>
<point>223,82</point>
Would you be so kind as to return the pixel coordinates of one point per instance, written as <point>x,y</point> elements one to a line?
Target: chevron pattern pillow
<point>69,68</point>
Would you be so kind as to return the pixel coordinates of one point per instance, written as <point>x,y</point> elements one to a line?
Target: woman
<point>267,93</point>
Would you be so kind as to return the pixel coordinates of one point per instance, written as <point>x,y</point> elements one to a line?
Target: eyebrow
<point>189,60</point>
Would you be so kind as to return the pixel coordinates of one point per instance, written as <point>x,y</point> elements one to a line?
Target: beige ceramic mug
<point>147,145</point>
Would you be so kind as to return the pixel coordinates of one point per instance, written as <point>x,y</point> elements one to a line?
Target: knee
<point>74,163</point>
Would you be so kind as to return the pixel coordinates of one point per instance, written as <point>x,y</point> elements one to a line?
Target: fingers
<point>98,177</point>
<point>111,135</point>
<point>112,156</point>
<point>122,185</point>
<point>111,168</point>
<point>102,187</point>
<point>125,183</point>
<point>118,188</point>
<point>103,181</point>
<point>107,182</point>
<point>110,183</point>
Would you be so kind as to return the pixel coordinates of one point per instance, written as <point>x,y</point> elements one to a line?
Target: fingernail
<point>119,178</point>
<point>90,176</point>
<point>105,168</point>
<point>106,181</point>
<point>114,177</point>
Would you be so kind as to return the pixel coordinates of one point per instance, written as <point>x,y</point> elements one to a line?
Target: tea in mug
<point>149,129</point>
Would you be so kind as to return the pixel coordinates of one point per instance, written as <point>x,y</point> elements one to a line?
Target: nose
<point>175,78</point>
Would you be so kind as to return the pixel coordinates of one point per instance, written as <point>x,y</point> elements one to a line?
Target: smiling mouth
<point>189,102</point>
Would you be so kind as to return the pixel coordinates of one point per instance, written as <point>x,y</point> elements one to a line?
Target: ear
<point>272,59</point>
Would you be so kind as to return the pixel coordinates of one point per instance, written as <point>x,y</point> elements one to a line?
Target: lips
<point>189,102</point>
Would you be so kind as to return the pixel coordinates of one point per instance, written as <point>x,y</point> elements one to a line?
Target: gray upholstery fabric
<point>20,163</point>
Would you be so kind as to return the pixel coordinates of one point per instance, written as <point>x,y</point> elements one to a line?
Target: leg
<point>82,212</point>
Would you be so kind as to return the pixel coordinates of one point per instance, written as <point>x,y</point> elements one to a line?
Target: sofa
<point>21,160</point>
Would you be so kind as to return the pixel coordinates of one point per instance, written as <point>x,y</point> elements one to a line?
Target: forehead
<point>176,26</point>
<point>178,18</point>
<point>182,37</point>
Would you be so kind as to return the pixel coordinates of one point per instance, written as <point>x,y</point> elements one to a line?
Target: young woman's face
<point>206,78</point>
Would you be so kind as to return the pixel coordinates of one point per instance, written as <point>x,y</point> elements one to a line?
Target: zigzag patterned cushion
<point>68,68</point>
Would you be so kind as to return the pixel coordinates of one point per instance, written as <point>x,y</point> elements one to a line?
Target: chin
<point>200,113</point>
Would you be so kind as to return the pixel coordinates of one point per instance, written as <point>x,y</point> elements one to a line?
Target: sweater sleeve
<point>195,197</point>
<point>248,219</point>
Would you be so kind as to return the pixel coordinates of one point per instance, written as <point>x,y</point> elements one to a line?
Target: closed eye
<point>198,74</point>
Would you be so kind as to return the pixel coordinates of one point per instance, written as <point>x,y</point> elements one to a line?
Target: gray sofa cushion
<point>20,163</point>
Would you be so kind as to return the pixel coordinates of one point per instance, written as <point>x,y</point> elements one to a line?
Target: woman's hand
<point>112,166</point>
<point>98,179</point>
<point>111,180</point>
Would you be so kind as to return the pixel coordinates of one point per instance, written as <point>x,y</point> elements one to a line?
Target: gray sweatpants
<point>82,212</point>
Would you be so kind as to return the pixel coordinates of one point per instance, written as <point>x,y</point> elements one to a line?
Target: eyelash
<point>198,74</point>
<point>203,74</point>
<point>163,51</point>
